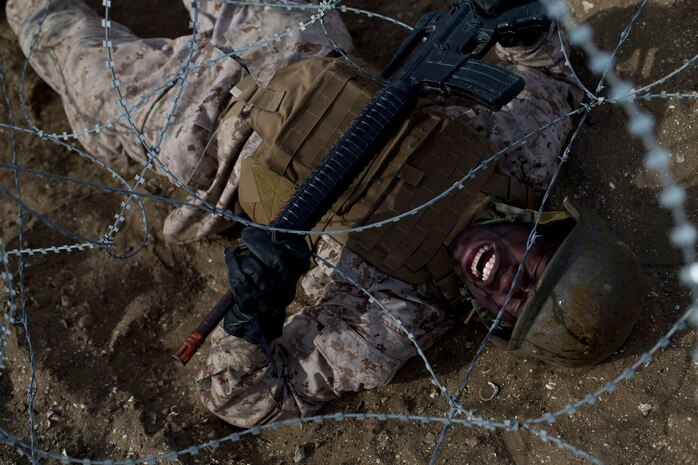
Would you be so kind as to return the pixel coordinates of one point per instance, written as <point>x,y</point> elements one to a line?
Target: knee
<point>236,384</point>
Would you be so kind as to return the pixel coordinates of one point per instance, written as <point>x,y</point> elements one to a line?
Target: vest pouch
<point>405,248</point>
<point>381,175</point>
<point>321,110</point>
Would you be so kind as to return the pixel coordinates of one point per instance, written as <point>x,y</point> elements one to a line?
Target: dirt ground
<point>103,329</point>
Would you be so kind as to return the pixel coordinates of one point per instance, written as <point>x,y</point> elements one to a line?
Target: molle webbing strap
<point>317,123</point>
<point>409,245</point>
<point>511,191</point>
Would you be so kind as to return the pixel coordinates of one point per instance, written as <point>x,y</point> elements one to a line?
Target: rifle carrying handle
<point>347,157</point>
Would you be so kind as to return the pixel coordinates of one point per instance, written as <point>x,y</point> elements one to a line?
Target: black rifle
<point>442,55</point>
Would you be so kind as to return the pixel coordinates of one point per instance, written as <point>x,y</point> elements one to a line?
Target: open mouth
<point>482,263</point>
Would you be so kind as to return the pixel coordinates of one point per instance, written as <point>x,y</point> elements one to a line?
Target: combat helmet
<point>587,300</point>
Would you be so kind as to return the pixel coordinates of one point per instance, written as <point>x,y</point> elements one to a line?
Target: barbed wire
<point>323,6</point>
<point>500,313</point>
<point>23,319</point>
<point>671,197</point>
<point>230,216</point>
<point>8,319</point>
<point>664,95</point>
<point>214,444</point>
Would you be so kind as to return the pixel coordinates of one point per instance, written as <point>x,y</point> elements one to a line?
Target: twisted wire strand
<point>33,384</point>
<point>412,338</point>
<point>9,316</point>
<point>230,216</point>
<point>670,197</point>
<point>338,5</point>
<point>51,249</point>
<point>623,37</point>
<point>533,235</point>
<point>8,320</point>
<point>169,119</point>
<point>515,426</point>
<point>570,68</point>
<point>630,92</point>
<point>666,95</point>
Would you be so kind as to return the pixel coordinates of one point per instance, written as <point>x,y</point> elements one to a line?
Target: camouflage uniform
<point>340,342</point>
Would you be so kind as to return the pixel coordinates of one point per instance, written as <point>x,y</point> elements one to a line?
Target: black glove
<point>525,37</point>
<point>263,274</point>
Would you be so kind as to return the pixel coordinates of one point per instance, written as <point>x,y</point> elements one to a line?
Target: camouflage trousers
<point>341,341</point>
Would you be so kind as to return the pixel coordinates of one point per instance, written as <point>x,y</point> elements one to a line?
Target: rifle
<point>441,55</point>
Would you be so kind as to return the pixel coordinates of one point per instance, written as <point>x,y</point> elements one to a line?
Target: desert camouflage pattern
<point>70,57</point>
<point>340,341</point>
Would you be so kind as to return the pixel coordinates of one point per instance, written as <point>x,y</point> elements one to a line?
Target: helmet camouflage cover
<point>587,300</point>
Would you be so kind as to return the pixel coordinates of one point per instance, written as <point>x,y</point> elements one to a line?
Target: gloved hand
<point>263,275</point>
<point>525,37</point>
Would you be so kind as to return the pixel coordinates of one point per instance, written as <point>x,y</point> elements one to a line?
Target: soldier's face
<point>486,259</point>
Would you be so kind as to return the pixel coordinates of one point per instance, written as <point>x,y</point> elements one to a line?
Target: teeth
<point>488,268</point>
<point>476,260</point>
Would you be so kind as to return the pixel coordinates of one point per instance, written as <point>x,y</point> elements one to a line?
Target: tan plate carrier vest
<point>304,110</point>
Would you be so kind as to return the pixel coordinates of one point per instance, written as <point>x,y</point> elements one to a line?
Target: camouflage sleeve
<point>341,343</point>
<point>549,94</point>
<point>189,142</point>
<point>69,55</point>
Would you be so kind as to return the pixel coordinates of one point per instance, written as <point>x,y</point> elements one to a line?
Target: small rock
<point>384,400</point>
<point>299,455</point>
<point>430,438</point>
<point>174,410</point>
<point>587,5</point>
<point>383,439</point>
<point>153,313</point>
<point>112,408</point>
<point>54,415</point>
<point>472,441</point>
<point>86,321</point>
<point>645,409</point>
<point>66,301</point>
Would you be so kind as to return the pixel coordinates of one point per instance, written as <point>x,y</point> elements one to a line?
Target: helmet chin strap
<point>503,329</point>
<point>503,213</point>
